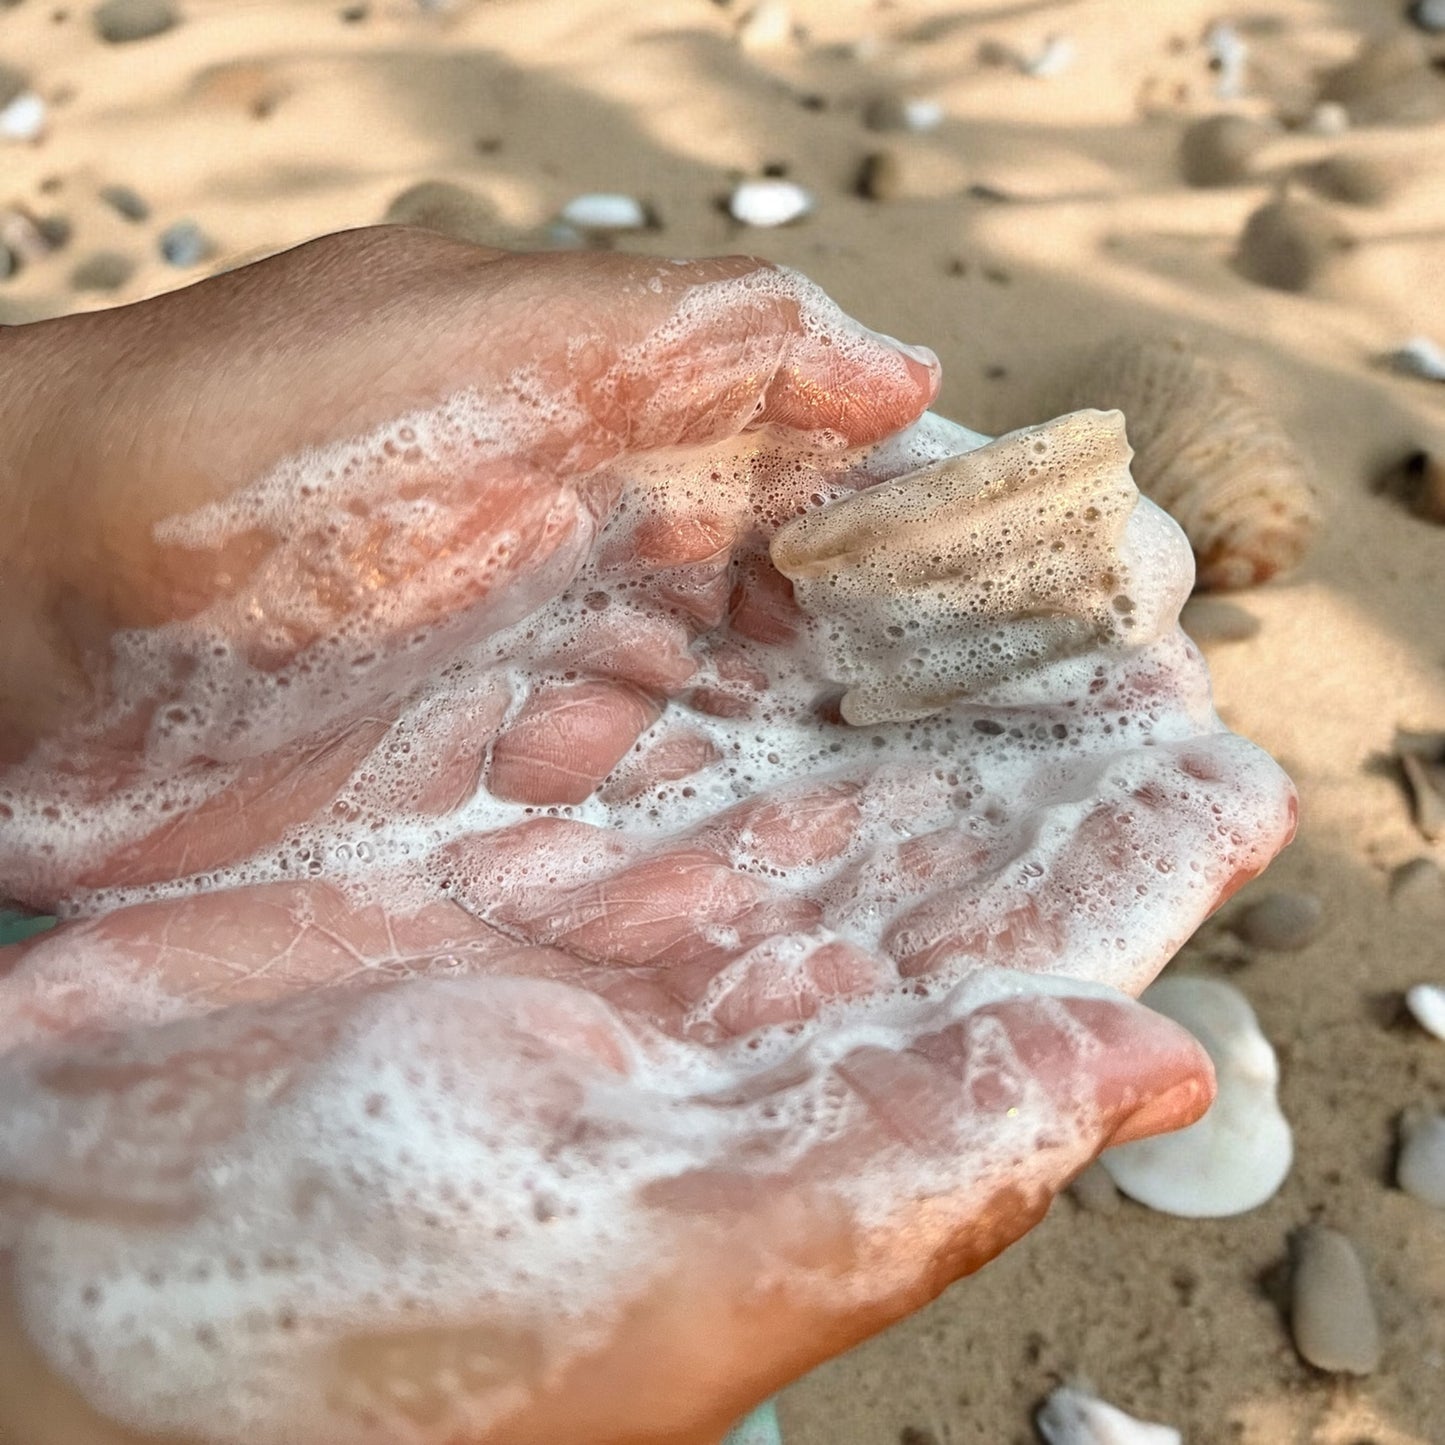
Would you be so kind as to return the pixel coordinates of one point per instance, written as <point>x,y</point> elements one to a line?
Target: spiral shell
<point>1207,453</point>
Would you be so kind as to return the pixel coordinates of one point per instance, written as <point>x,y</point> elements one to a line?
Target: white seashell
<point>1329,117</point>
<point>1206,452</point>
<point>1426,1002</point>
<point>1070,1417</point>
<point>24,117</point>
<point>1230,56</point>
<point>605,211</point>
<point>1055,56</point>
<point>1238,1154</point>
<point>1420,356</point>
<point>1420,1169</point>
<point>769,202</point>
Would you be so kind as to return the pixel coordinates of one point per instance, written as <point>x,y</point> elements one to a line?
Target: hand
<point>418,1083</point>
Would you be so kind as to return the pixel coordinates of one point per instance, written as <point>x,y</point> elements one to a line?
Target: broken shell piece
<point>1332,1315</point>
<point>1228,58</point>
<point>1422,757</point>
<point>973,570</point>
<point>1292,245</point>
<point>1238,1154</point>
<point>605,211</point>
<point>1420,1168</point>
<point>1220,149</point>
<point>1426,1002</point>
<point>767,26</point>
<point>1054,57</point>
<point>890,112</point>
<point>769,202</point>
<point>1207,452</point>
<point>1071,1417</point>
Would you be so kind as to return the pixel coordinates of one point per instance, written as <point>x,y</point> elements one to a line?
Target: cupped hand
<point>504,1002</point>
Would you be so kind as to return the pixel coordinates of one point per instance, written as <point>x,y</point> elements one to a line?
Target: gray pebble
<point>183,243</point>
<point>1332,1315</point>
<point>104,271</point>
<point>1420,1168</point>
<point>881,177</point>
<point>1417,883</point>
<point>9,265</point>
<point>1220,149</point>
<point>121,21</point>
<point>1290,245</point>
<point>1356,180</point>
<point>1281,922</point>
<point>1429,15</point>
<point>1211,619</point>
<point>1095,1190</point>
<point>125,202</point>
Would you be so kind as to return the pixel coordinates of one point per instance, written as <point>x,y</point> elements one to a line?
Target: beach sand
<point>1043,213</point>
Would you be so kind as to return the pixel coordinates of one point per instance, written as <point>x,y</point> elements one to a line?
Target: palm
<point>545,989</point>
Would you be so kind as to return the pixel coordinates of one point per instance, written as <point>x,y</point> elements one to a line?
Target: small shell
<point>767,26</point>
<point>1426,1002</point>
<point>605,211</point>
<point>23,118</point>
<point>1230,57</point>
<point>1389,81</point>
<point>911,113</point>
<point>1220,149</point>
<point>769,202</point>
<point>1053,58</point>
<point>1071,1417</point>
<point>1292,245</point>
<point>1207,453</point>
<point>1236,1156</point>
<point>1419,356</point>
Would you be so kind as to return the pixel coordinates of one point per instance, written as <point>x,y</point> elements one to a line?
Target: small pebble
<point>1356,180</point>
<point>1420,1167</point>
<point>125,202</point>
<point>1220,149</point>
<point>1095,1191</point>
<point>183,243</point>
<point>104,271</point>
<point>890,112</point>
<point>23,118</point>
<point>605,211</point>
<point>1332,1315</point>
<point>121,21</point>
<point>881,177</point>
<point>1281,922</point>
<point>1235,1157</point>
<point>1228,58</point>
<point>767,26</point>
<point>31,237</point>
<point>1426,1002</point>
<point>1419,356</point>
<point>1289,244</point>
<point>1415,885</point>
<point>1071,1417</point>
<point>770,202</point>
<point>1212,619</point>
<point>1429,15</point>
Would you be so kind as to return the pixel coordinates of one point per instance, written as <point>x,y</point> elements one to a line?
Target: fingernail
<point>1166,1112</point>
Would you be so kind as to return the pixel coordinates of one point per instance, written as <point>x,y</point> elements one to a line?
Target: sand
<point>270,122</point>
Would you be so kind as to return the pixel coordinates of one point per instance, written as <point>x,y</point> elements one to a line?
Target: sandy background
<point>271,122</point>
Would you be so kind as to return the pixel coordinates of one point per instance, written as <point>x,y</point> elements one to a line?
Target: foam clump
<point>974,570</point>
<point>1235,1157</point>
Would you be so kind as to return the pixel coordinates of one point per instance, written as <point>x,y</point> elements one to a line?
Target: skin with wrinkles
<point>504,1001</point>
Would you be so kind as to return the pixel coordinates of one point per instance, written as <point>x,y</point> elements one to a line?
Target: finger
<point>565,740</point>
